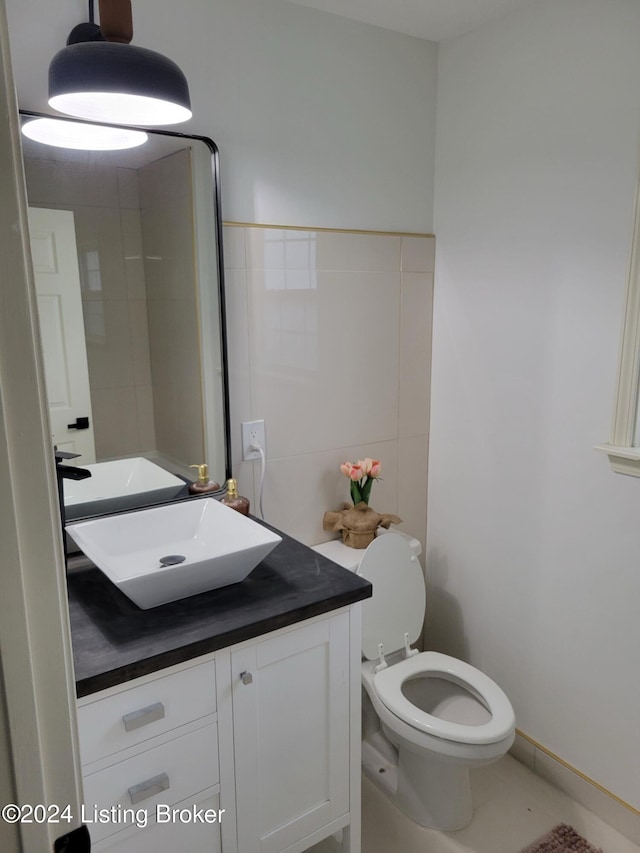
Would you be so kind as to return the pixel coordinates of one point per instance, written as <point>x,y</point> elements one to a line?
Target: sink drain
<point>172,559</point>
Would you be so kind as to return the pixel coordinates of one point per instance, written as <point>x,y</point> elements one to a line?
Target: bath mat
<point>561,839</point>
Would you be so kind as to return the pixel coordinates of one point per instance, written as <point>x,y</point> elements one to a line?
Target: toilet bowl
<point>427,717</point>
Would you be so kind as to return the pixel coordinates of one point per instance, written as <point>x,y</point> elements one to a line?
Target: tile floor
<point>513,807</point>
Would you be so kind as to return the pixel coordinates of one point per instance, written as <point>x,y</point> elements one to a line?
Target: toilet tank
<point>350,558</point>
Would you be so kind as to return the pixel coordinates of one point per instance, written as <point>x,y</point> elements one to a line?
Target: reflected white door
<point>57,277</point>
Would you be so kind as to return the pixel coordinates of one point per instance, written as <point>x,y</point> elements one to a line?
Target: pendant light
<point>101,77</point>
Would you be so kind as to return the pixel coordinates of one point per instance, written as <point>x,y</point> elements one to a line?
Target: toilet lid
<point>388,685</point>
<point>397,604</point>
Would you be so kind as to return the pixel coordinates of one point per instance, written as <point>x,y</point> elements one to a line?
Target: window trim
<point>623,456</point>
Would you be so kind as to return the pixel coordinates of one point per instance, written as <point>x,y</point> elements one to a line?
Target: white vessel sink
<point>170,552</point>
<point>117,485</point>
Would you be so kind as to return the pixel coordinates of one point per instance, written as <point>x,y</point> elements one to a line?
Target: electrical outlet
<point>252,434</point>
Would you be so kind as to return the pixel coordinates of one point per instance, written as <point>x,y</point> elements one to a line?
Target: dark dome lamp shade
<point>113,81</point>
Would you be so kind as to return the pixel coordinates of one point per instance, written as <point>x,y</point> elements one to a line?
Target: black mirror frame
<point>217,201</point>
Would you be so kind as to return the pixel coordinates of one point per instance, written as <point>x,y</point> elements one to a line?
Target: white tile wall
<point>166,213</point>
<point>379,252</point>
<point>99,232</point>
<point>324,360</point>
<point>416,300</point>
<point>133,253</point>
<point>115,418</point>
<point>412,498</point>
<point>109,353</point>
<point>418,255</point>
<point>329,342</point>
<point>85,183</point>
<point>128,188</point>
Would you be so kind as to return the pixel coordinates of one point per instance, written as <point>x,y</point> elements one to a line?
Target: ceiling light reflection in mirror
<point>82,137</point>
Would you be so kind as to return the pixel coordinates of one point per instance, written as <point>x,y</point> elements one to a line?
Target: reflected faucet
<point>66,472</point>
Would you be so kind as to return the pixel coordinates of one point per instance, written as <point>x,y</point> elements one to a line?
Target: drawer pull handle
<point>144,790</point>
<point>246,677</point>
<point>137,719</point>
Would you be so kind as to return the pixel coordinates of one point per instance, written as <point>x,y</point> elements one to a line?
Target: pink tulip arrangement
<point>362,475</point>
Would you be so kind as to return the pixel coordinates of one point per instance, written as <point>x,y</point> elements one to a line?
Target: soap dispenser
<point>234,500</point>
<point>203,483</point>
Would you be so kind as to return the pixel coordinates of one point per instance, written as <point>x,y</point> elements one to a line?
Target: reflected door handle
<point>79,423</point>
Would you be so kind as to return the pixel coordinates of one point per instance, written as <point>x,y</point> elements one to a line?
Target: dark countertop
<point>115,641</point>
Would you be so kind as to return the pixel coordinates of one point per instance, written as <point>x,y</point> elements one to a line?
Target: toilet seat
<point>397,605</point>
<point>391,620</point>
<point>388,682</point>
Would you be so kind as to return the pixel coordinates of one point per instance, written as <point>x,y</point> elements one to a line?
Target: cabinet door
<point>291,734</point>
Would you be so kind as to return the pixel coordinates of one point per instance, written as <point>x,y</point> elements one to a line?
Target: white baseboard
<point>611,809</point>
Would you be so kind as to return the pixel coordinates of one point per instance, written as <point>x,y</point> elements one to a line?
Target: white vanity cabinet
<point>267,730</point>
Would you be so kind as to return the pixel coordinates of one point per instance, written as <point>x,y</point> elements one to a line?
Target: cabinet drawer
<point>109,724</point>
<point>163,775</point>
<point>196,837</point>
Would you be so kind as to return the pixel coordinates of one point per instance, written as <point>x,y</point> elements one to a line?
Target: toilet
<point>427,717</point>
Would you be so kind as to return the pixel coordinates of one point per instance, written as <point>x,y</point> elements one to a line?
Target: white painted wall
<point>321,121</point>
<point>533,544</point>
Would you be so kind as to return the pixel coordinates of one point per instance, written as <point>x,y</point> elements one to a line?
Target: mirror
<point>127,252</point>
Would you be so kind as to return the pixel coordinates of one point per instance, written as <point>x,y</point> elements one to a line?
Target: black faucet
<point>66,472</point>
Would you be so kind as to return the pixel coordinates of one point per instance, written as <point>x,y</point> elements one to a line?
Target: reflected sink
<point>163,554</point>
<point>117,485</point>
